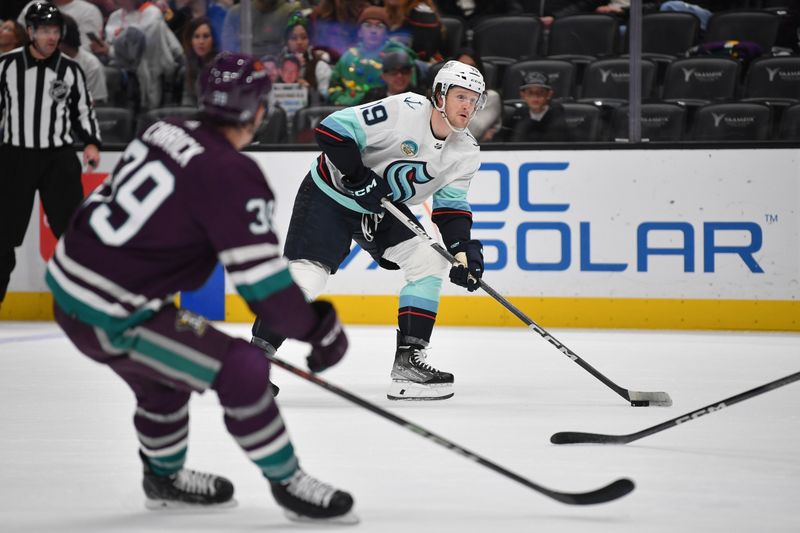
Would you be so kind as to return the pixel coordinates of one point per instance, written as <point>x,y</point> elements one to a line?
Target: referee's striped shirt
<point>43,101</point>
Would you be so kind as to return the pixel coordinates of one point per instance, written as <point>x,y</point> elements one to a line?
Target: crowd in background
<point>145,56</point>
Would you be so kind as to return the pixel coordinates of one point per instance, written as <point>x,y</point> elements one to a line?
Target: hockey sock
<point>251,414</point>
<point>419,302</point>
<point>163,439</point>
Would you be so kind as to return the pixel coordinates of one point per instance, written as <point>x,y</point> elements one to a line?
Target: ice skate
<point>413,378</point>
<point>306,499</point>
<point>186,488</point>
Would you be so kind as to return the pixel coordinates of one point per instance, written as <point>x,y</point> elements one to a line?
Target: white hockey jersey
<point>394,138</point>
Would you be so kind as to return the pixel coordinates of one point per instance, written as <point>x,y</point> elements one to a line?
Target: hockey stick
<point>637,398</point>
<point>576,437</point>
<point>612,491</point>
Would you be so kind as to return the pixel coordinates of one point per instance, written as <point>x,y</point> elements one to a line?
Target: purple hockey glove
<point>328,341</point>
<point>467,274</point>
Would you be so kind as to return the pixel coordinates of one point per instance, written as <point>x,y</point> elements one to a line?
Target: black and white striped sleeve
<point>84,119</point>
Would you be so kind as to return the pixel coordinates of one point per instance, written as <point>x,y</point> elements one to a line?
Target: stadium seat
<point>453,36</point>
<point>790,124</point>
<point>606,81</point>
<point>513,37</point>
<point>760,27</point>
<point>274,130</point>
<point>560,74</point>
<point>491,71</point>
<point>666,35</point>
<point>583,38</point>
<point>773,80</point>
<point>116,124</point>
<point>584,121</point>
<point>700,80</point>
<point>734,121</point>
<point>306,119</point>
<point>114,86</point>
<point>659,122</point>
<point>165,112</point>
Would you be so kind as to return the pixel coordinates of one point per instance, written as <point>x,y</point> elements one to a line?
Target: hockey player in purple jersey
<point>182,198</point>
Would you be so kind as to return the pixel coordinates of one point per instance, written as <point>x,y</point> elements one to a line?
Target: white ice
<point>68,457</point>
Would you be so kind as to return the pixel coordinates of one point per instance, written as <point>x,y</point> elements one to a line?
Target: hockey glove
<point>328,341</point>
<point>469,272</point>
<point>369,191</point>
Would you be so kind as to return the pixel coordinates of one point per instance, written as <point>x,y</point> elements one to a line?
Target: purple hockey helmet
<point>232,87</point>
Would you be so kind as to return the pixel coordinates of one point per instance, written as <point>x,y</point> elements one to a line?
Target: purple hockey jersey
<point>180,199</point>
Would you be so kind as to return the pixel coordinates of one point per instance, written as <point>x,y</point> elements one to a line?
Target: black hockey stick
<point>637,398</point>
<point>576,437</point>
<point>612,491</point>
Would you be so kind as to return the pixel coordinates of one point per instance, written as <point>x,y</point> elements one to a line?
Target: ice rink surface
<point>68,449</point>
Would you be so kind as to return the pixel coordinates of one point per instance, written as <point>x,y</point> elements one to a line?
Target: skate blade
<point>347,519</point>
<point>174,505</point>
<point>408,390</point>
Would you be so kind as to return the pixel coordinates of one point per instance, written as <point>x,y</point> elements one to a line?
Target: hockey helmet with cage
<point>232,87</point>
<point>456,73</point>
<point>45,14</point>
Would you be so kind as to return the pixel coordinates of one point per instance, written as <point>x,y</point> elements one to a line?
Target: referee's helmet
<point>45,14</point>
<point>232,87</point>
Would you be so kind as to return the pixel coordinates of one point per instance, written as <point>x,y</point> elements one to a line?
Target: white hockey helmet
<point>461,75</point>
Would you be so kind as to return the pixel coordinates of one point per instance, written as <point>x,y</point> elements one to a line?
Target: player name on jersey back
<point>174,141</point>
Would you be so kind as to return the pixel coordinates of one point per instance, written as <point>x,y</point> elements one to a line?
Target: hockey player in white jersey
<point>409,149</point>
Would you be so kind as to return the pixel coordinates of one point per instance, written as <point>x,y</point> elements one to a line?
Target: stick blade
<point>578,437</point>
<point>648,399</point>
<point>610,492</point>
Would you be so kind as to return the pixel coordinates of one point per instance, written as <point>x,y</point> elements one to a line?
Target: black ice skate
<point>185,488</point>
<point>306,499</point>
<point>413,378</point>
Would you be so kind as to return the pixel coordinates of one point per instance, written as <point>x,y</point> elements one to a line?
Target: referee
<point>43,100</point>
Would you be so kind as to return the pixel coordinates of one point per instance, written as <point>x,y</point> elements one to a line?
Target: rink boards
<point>695,239</point>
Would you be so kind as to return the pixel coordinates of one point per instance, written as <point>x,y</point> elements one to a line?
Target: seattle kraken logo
<point>402,175</point>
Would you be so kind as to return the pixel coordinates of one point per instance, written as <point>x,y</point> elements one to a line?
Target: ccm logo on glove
<point>369,191</point>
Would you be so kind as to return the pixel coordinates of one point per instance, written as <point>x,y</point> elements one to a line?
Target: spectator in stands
<point>85,14</point>
<point>315,68</point>
<point>269,25</point>
<point>334,23</point>
<point>290,70</point>
<point>614,7</point>
<point>554,9</point>
<point>178,13</point>
<point>360,68</point>
<point>12,35</point>
<point>91,66</point>
<point>271,66</point>
<point>474,10</point>
<point>703,9</point>
<point>10,9</point>
<point>416,24</point>
<point>488,121</point>
<point>106,7</point>
<point>162,52</point>
<point>542,120</point>
<point>216,11</point>
<point>200,49</point>
<point>398,70</point>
